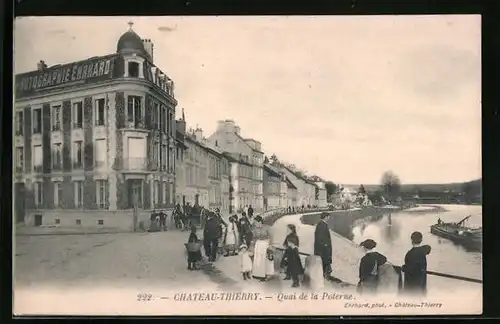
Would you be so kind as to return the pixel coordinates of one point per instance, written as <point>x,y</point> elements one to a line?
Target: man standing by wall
<point>323,245</point>
<point>211,237</point>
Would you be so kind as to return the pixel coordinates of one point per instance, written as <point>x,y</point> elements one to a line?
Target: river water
<point>394,241</point>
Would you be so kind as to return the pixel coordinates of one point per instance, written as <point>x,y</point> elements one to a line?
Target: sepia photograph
<point>247,165</point>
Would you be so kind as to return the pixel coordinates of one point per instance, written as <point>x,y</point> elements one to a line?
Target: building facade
<point>272,188</point>
<point>245,154</point>
<point>202,175</point>
<point>95,138</point>
<point>321,194</point>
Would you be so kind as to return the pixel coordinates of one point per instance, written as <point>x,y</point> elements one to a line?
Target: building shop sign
<point>83,72</point>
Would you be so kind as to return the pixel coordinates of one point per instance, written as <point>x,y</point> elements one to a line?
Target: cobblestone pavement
<point>140,259</point>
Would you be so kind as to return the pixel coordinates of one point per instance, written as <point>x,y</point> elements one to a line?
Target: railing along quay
<point>275,214</point>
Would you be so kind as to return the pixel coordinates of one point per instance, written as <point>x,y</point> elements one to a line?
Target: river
<point>394,240</point>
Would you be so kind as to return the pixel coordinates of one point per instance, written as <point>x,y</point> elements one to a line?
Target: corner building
<point>94,136</point>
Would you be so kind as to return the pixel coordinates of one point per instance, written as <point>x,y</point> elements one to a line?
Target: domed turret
<point>130,42</point>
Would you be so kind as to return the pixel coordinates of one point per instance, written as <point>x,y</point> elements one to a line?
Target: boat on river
<point>459,233</point>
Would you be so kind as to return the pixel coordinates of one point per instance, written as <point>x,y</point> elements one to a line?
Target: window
<point>37,158</point>
<point>56,118</point>
<point>156,196</point>
<point>37,121</point>
<point>38,190</point>
<point>57,156</point>
<point>78,194</point>
<point>78,154</point>
<point>164,192</point>
<point>134,111</point>
<point>158,154</point>
<point>165,126</point>
<point>19,122</point>
<point>102,194</point>
<point>100,153</point>
<point>156,116</point>
<point>133,69</point>
<point>171,192</point>
<point>77,115</point>
<point>58,193</point>
<point>163,157</point>
<point>19,159</point>
<point>100,117</point>
<point>156,157</point>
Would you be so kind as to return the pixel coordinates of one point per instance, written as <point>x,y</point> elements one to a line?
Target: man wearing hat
<point>323,245</point>
<point>369,267</point>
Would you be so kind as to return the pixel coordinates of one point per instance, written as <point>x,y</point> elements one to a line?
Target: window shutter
<point>66,158</point>
<point>120,110</point>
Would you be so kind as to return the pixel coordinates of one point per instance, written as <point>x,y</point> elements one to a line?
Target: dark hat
<point>416,237</point>
<point>324,215</point>
<point>369,244</point>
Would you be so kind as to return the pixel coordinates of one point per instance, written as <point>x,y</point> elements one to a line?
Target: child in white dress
<point>245,261</point>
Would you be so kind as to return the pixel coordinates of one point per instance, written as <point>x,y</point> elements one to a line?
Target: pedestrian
<point>210,237</point>
<point>415,266</point>
<point>323,245</point>
<point>263,265</point>
<point>250,211</point>
<point>245,261</point>
<point>291,233</point>
<point>246,231</point>
<point>369,267</point>
<point>232,237</point>
<point>245,210</point>
<point>194,250</point>
<point>292,259</point>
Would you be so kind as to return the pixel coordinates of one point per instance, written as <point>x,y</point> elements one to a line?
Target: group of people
<point>243,235</point>
<point>414,268</point>
<point>249,238</point>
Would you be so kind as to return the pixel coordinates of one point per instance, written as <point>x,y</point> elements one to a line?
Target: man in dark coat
<point>211,237</point>
<point>323,244</point>
<point>250,211</point>
<point>415,266</point>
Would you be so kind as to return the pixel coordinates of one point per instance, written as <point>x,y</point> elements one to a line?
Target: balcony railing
<point>78,165</point>
<point>100,164</point>
<point>37,168</point>
<point>19,168</point>
<point>133,163</point>
<point>57,165</point>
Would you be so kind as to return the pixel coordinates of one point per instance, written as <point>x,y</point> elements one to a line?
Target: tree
<point>361,189</point>
<point>331,188</point>
<point>391,184</point>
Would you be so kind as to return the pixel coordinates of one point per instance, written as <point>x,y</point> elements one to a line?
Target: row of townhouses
<point>96,141</point>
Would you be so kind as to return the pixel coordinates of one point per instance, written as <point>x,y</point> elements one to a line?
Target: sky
<point>342,97</point>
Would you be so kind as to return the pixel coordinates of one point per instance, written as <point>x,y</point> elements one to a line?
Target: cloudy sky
<point>345,98</point>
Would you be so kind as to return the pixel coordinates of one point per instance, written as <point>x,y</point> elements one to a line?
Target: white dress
<point>245,261</point>
<point>232,234</point>
<point>262,266</point>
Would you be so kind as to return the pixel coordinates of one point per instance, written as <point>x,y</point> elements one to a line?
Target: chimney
<point>148,46</point>
<point>198,133</point>
<point>41,65</point>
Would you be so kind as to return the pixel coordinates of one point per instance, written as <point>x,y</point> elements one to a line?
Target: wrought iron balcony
<point>37,168</point>
<point>133,164</point>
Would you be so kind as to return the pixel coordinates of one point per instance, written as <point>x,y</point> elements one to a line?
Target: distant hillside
<point>432,187</point>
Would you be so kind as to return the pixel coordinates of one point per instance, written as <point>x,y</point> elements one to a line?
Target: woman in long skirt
<point>232,237</point>
<point>263,268</point>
